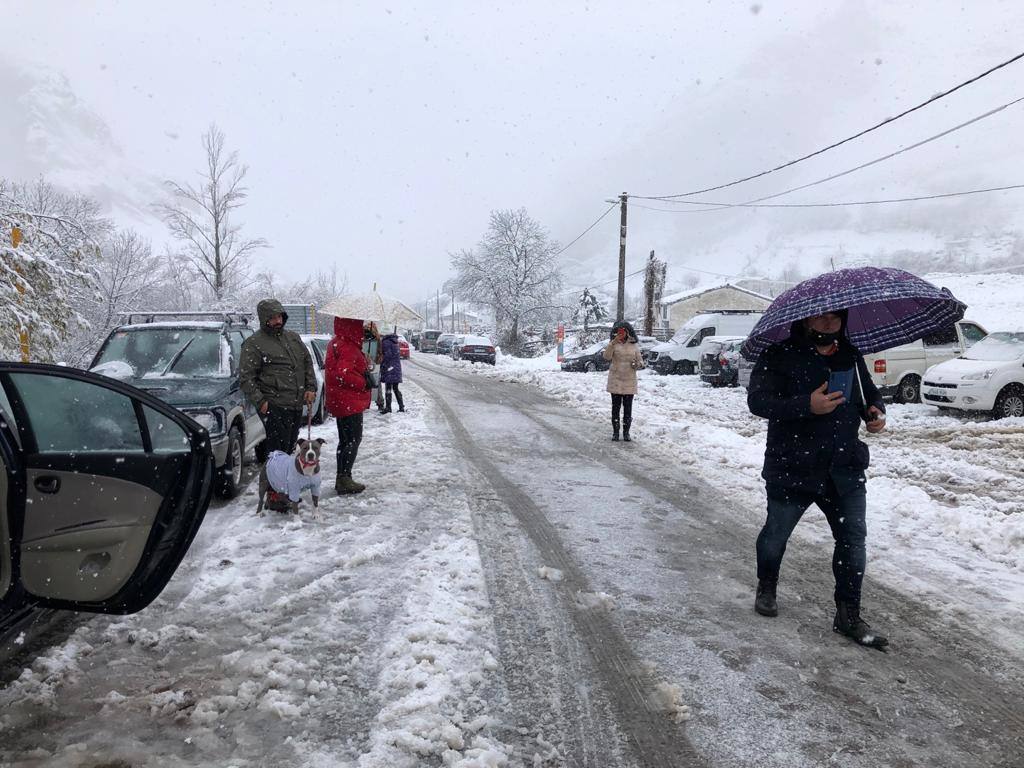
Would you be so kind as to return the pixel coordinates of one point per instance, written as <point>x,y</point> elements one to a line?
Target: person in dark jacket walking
<point>391,371</point>
<point>347,389</point>
<point>276,374</point>
<point>623,352</point>
<point>815,390</point>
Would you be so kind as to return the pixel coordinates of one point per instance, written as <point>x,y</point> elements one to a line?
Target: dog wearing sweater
<point>291,474</point>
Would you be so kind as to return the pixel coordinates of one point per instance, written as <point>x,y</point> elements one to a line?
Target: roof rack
<point>227,316</point>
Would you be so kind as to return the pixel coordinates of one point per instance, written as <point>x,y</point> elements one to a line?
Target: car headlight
<point>212,420</point>
<point>980,375</point>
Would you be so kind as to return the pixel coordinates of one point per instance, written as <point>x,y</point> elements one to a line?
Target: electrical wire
<point>848,139</point>
<point>581,234</point>
<point>720,206</point>
<point>871,162</point>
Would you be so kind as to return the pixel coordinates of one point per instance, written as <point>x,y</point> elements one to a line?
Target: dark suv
<point>190,360</point>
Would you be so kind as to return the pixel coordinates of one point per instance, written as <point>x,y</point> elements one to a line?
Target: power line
<point>871,162</point>
<point>848,139</point>
<point>610,208</point>
<point>719,206</point>
<point>569,291</point>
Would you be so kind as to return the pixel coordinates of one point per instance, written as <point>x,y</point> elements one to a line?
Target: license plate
<point>936,392</point>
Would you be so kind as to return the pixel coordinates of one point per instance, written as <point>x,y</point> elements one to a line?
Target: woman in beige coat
<point>624,354</point>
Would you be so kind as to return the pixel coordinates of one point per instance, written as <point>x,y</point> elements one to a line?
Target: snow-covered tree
<point>654,288</point>
<point>47,256</point>
<point>201,217</point>
<point>513,271</point>
<point>589,308</point>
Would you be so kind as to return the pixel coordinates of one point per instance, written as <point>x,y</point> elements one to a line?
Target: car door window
<point>944,337</point>
<point>702,334</point>
<point>68,416</point>
<point>236,338</point>
<point>972,333</point>
<point>7,415</point>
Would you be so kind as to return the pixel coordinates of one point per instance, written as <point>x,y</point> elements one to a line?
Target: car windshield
<point>1001,346</point>
<point>147,353</point>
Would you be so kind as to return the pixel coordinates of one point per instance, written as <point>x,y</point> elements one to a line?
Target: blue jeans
<point>846,517</point>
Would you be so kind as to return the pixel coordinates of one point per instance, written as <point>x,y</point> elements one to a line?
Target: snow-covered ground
<point>945,493</point>
<point>365,639</point>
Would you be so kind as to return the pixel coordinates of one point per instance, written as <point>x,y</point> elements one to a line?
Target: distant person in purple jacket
<point>391,371</point>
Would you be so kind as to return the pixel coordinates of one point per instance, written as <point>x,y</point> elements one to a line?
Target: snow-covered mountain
<point>48,131</point>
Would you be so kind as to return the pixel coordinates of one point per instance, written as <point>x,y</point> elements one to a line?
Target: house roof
<point>675,298</point>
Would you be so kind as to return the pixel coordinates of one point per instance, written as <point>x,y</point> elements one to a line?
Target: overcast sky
<point>379,135</point>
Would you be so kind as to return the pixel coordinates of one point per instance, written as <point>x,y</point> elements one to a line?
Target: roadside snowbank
<point>365,640</point>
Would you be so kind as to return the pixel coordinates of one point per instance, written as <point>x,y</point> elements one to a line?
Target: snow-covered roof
<point>674,298</point>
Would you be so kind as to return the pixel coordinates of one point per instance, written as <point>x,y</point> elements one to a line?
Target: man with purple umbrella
<point>813,386</point>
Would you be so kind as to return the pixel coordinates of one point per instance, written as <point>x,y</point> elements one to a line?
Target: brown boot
<point>344,485</point>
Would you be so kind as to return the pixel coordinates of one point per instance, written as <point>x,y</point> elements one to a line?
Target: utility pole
<point>620,306</point>
<point>453,311</point>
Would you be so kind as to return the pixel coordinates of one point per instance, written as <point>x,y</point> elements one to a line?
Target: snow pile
<point>362,641</point>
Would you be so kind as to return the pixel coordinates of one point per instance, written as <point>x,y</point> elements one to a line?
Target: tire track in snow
<point>656,741</point>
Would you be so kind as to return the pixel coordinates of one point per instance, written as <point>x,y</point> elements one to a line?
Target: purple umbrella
<point>887,307</point>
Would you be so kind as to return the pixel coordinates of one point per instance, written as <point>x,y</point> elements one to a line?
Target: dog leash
<point>309,423</point>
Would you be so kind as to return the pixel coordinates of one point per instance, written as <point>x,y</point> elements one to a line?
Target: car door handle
<point>47,484</point>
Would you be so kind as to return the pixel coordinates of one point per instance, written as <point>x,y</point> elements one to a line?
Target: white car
<point>989,377</point>
<point>317,343</point>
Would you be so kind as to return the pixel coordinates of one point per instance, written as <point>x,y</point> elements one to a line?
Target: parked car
<point>103,489</point>
<point>719,360</point>
<point>317,346</point>
<point>476,349</point>
<point>744,368</point>
<point>988,377</point>
<point>191,363</point>
<point>443,346</point>
<point>680,353</point>
<point>898,372</point>
<point>403,348</point>
<point>646,344</point>
<point>587,359</point>
<point>428,341</point>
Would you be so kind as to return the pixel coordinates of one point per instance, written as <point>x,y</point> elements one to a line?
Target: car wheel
<point>684,368</point>
<point>230,479</point>
<point>1010,402</point>
<point>590,367</point>
<point>909,390</point>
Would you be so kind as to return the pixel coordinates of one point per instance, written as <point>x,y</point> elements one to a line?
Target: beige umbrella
<point>371,305</point>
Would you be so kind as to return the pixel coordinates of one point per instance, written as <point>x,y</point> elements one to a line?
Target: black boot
<point>626,423</point>
<point>401,405</point>
<point>387,403</point>
<point>765,603</point>
<point>848,622</point>
<point>615,429</point>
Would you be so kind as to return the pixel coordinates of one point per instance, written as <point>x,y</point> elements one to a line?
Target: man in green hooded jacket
<point>276,374</point>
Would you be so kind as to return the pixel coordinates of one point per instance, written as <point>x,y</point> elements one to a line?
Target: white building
<point>677,308</point>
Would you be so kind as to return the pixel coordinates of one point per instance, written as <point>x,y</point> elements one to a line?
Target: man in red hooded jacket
<point>348,395</point>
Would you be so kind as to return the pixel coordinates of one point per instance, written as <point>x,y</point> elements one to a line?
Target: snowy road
<point>512,590</point>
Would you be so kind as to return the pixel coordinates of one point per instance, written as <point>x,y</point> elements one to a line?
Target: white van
<point>680,354</point>
<point>898,372</point>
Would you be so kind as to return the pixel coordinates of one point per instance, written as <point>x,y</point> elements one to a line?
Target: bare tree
<point>200,216</point>
<point>128,276</point>
<point>512,270</point>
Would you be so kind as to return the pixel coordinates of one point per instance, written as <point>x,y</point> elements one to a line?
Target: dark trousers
<point>846,517</point>
<point>282,426</point>
<point>625,404</point>
<point>350,435</point>
<point>393,389</point>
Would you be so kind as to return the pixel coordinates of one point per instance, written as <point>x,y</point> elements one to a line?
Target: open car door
<point>102,489</point>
